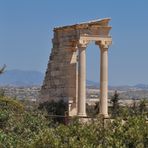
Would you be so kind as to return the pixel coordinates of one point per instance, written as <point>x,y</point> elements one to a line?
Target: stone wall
<point>60,79</point>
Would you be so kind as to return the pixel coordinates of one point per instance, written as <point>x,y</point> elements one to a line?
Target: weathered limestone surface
<point>60,78</point>
<point>65,77</point>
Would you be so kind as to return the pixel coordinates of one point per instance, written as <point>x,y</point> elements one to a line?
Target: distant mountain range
<point>21,78</point>
<point>92,84</point>
<point>142,86</point>
<point>28,78</point>
<point>35,78</point>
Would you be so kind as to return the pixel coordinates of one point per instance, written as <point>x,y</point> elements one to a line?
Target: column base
<point>106,116</point>
<point>82,115</point>
<point>82,118</point>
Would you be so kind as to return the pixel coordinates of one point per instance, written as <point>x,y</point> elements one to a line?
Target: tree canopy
<point>31,128</point>
<point>2,69</point>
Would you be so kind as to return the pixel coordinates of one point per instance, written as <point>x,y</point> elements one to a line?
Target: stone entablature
<point>66,72</point>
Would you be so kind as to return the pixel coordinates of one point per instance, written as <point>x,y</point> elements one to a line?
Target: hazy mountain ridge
<point>12,80</point>
<point>35,78</point>
<point>21,78</point>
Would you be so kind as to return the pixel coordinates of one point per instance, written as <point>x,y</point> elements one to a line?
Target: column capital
<point>82,43</point>
<point>104,43</point>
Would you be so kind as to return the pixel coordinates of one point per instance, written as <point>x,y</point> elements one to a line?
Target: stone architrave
<point>65,77</point>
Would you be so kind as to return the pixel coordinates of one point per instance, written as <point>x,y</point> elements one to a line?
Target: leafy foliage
<point>115,104</point>
<point>18,126</point>
<point>55,108</point>
<point>31,129</point>
<point>2,69</point>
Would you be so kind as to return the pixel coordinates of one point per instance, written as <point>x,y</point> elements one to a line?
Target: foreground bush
<point>30,129</point>
<point>17,125</point>
<point>131,134</point>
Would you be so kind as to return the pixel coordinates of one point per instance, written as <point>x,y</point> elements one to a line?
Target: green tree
<point>115,104</point>
<point>134,107</point>
<point>55,108</point>
<point>19,126</point>
<point>2,69</point>
<point>142,106</point>
<point>2,92</point>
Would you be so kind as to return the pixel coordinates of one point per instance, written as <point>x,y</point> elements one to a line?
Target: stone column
<point>82,80</point>
<point>103,77</point>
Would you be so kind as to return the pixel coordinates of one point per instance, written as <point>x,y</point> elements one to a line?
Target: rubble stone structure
<point>66,73</point>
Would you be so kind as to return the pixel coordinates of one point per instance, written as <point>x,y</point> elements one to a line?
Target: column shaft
<point>82,82</point>
<point>104,82</point>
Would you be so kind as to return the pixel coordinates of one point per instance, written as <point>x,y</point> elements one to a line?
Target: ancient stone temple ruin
<point>66,72</point>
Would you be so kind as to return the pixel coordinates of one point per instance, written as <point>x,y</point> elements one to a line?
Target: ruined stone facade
<point>65,77</point>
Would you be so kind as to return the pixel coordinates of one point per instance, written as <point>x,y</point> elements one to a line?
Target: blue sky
<point>26,32</point>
